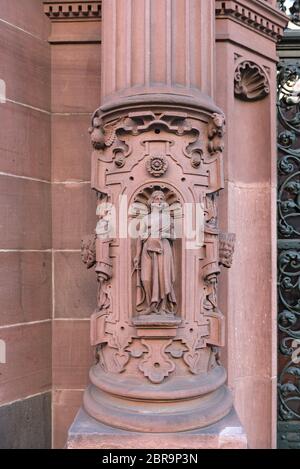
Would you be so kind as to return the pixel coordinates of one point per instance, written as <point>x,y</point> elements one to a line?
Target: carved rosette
<point>250,82</point>
<point>157,327</point>
<point>157,165</point>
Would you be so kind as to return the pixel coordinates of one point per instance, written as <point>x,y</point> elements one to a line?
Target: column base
<point>178,405</point>
<point>87,433</point>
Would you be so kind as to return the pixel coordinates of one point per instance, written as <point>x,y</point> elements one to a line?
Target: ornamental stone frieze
<point>73,10</point>
<point>74,22</point>
<point>259,16</point>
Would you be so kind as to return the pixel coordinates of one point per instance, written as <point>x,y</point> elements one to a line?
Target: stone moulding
<point>250,82</point>
<point>75,11</point>
<point>253,14</point>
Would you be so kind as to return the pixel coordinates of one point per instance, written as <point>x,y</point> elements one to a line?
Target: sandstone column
<point>158,143</point>
<point>157,46</point>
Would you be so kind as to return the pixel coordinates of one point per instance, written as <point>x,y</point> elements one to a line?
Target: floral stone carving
<point>157,165</point>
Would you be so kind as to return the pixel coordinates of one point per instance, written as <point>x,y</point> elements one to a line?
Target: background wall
<point>75,65</point>
<point>248,290</point>
<point>46,294</point>
<point>46,206</point>
<point>25,226</point>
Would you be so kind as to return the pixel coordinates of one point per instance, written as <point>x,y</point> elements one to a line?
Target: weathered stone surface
<point>27,370</point>
<point>72,214</point>
<point>26,230</point>
<point>76,76</point>
<point>26,424</point>
<point>29,18</point>
<point>79,299</point>
<point>65,405</point>
<point>24,205</point>
<point>75,40</point>
<point>18,65</point>
<point>72,355</point>
<point>24,131</point>
<point>70,147</point>
<point>25,287</point>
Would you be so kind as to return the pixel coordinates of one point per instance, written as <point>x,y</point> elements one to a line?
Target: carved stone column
<point>158,143</point>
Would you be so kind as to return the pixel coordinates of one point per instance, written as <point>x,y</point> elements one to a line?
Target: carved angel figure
<point>154,260</point>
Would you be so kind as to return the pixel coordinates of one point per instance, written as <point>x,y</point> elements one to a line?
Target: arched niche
<point>165,236</point>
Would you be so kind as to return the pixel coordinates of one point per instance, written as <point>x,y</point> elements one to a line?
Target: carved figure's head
<point>219,121</point>
<point>158,198</point>
<point>226,249</point>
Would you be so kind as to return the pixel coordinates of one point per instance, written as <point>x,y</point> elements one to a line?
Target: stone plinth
<point>87,433</point>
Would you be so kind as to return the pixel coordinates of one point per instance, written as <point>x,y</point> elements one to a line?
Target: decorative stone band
<point>75,10</point>
<point>254,14</point>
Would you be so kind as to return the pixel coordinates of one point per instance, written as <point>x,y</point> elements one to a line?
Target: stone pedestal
<point>87,433</point>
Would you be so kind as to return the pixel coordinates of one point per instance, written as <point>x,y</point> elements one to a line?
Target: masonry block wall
<point>52,78</point>
<point>25,227</point>
<point>75,72</point>
<point>248,294</point>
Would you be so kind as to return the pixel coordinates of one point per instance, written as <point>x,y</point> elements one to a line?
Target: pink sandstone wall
<point>25,227</point>
<point>75,61</point>
<point>46,295</point>
<point>248,293</point>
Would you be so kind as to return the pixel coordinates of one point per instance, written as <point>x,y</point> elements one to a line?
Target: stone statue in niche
<point>154,259</point>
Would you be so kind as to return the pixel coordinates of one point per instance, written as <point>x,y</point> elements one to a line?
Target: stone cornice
<point>73,10</point>
<point>258,15</point>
